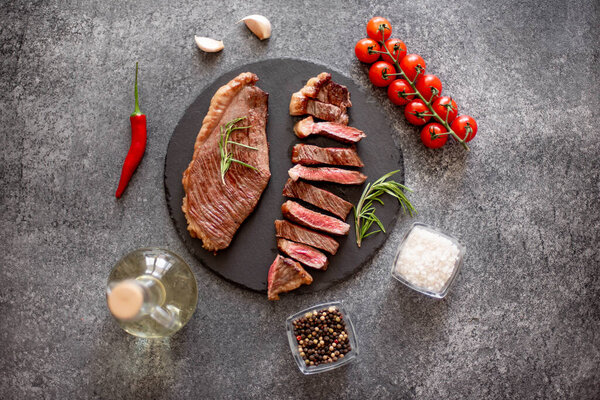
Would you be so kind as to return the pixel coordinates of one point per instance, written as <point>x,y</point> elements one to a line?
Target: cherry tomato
<point>397,48</point>
<point>463,124</point>
<point>378,70</point>
<point>411,63</point>
<point>414,112</point>
<point>397,92</point>
<point>362,50</point>
<point>429,86</point>
<point>433,129</point>
<point>445,105</point>
<point>373,28</point>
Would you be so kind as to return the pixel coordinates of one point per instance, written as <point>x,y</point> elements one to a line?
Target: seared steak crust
<point>285,274</point>
<point>214,211</point>
<point>327,174</point>
<point>307,154</point>
<point>301,105</point>
<point>287,230</point>
<point>314,220</point>
<point>322,98</point>
<point>332,130</point>
<point>327,91</point>
<point>317,197</point>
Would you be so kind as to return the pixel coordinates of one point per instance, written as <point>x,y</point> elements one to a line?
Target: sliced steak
<point>214,210</point>
<point>307,154</point>
<point>339,132</point>
<point>327,91</point>
<point>307,255</point>
<point>327,174</point>
<point>317,197</point>
<point>287,230</point>
<point>301,105</point>
<point>314,220</point>
<point>284,275</point>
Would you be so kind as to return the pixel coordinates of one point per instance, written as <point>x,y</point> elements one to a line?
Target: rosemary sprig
<point>364,211</point>
<point>226,157</point>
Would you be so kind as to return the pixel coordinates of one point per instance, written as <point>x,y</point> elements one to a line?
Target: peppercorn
<point>321,336</point>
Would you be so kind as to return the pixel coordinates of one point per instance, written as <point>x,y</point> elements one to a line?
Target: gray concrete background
<point>523,318</point>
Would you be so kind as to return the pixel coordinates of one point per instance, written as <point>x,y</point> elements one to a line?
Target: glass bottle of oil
<point>152,293</point>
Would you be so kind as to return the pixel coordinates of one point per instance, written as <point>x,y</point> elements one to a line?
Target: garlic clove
<point>259,25</point>
<point>208,45</point>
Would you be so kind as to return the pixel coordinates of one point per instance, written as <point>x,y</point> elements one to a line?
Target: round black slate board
<point>246,261</point>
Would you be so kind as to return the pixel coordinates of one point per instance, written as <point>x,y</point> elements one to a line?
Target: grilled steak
<point>284,275</point>
<point>317,197</point>
<point>214,210</point>
<point>339,132</point>
<point>301,105</point>
<point>314,220</point>
<point>322,98</point>
<point>305,254</point>
<point>307,154</point>
<point>327,91</point>
<point>327,174</point>
<point>287,230</point>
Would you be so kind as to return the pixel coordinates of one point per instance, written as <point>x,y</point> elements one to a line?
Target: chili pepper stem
<point>434,114</point>
<point>137,110</point>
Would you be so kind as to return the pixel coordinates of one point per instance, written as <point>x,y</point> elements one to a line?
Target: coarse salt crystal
<point>427,259</point>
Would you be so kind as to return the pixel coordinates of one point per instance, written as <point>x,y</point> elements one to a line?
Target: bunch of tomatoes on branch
<point>408,85</point>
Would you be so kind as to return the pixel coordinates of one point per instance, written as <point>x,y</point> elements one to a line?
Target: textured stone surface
<point>523,318</point>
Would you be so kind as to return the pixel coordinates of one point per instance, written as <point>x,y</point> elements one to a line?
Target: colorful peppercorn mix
<point>321,336</point>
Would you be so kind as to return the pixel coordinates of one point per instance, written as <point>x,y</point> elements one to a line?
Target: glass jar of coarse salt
<point>428,260</point>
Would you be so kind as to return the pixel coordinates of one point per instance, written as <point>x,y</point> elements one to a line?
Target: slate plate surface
<point>246,261</point>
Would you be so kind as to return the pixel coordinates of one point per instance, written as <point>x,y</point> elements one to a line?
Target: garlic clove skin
<point>259,25</point>
<point>208,45</point>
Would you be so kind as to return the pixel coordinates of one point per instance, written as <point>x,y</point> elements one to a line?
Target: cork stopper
<point>125,300</point>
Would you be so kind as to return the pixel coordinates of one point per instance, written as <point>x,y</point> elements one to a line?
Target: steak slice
<point>287,230</point>
<point>314,220</point>
<point>317,197</point>
<point>305,254</point>
<point>327,91</point>
<point>301,105</point>
<point>307,154</point>
<point>327,174</point>
<point>214,210</point>
<point>284,275</point>
<point>339,132</point>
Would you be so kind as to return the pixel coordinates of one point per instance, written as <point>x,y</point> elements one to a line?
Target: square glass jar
<point>348,357</point>
<point>457,264</point>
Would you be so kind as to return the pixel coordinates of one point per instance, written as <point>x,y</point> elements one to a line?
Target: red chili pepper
<point>138,142</point>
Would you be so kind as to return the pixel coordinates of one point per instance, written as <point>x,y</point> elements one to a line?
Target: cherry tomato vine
<point>404,75</point>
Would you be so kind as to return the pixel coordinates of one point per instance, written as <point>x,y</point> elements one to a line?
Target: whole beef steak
<point>215,209</point>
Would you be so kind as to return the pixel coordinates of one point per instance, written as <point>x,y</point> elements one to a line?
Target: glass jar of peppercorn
<point>322,338</point>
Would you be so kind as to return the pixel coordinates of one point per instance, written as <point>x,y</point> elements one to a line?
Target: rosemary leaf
<point>371,233</point>
<point>244,164</point>
<point>243,145</point>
